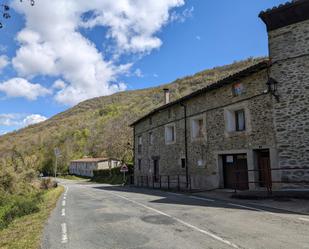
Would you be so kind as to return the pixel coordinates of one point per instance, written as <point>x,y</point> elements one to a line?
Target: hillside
<point>99,126</point>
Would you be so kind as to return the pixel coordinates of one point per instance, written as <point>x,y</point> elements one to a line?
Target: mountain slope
<point>99,126</point>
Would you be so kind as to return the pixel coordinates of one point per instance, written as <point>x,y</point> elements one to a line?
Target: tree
<point>5,11</point>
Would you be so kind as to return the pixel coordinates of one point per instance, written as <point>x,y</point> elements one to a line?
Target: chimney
<point>166,95</point>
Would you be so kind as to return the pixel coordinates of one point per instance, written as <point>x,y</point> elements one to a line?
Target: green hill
<point>99,126</point>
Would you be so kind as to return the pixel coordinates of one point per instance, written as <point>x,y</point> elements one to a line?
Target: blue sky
<point>54,55</point>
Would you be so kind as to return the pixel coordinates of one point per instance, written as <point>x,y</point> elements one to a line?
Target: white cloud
<point>33,119</point>
<point>8,119</point>
<point>182,16</point>
<point>51,44</point>
<point>19,87</point>
<point>4,61</point>
<point>20,120</point>
<point>59,84</point>
<point>138,73</point>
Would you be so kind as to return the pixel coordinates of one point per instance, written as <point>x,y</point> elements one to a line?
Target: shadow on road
<point>184,199</point>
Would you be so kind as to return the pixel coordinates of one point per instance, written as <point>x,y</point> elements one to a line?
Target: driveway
<point>93,216</point>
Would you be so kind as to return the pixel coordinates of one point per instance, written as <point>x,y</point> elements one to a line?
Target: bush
<point>18,206</point>
<point>113,176</point>
<point>47,183</point>
<point>107,173</point>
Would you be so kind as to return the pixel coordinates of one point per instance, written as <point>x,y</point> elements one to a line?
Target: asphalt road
<point>98,216</point>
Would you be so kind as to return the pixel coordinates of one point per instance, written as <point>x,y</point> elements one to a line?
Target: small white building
<point>85,166</point>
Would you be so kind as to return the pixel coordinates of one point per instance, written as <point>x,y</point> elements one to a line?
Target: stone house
<point>255,122</point>
<point>86,166</point>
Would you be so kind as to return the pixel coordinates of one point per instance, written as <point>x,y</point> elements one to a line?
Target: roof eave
<point>241,74</point>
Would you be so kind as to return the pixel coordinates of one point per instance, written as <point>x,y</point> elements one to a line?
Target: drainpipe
<point>134,174</point>
<point>186,144</point>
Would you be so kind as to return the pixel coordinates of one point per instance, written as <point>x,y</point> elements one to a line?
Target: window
<point>183,163</point>
<point>237,120</point>
<point>139,147</point>
<point>151,138</point>
<point>139,164</point>
<point>240,121</point>
<point>170,136</point>
<point>197,128</point>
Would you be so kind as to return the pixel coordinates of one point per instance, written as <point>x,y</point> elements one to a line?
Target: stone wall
<point>289,51</point>
<point>211,106</point>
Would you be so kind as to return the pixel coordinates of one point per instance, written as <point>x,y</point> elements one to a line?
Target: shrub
<point>113,176</point>
<point>47,183</point>
<point>109,173</point>
<point>18,206</point>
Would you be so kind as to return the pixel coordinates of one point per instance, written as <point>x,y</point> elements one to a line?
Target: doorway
<point>156,173</point>
<point>235,171</point>
<point>263,162</point>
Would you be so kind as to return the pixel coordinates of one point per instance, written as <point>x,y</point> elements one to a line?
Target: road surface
<point>98,216</point>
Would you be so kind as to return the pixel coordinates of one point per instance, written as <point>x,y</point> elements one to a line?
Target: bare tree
<point>5,11</point>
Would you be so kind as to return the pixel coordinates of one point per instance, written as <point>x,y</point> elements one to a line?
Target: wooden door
<point>235,170</point>
<point>263,159</point>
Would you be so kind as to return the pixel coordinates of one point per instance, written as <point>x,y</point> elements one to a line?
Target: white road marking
<point>63,212</point>
<point>63,203</point>
<point>216,237</point>
<point>201,198</point>
<point>64,237</point>
<point>304,219</point>
<point>247,207</point>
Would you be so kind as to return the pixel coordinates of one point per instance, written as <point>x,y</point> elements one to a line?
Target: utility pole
<point>57,154</point>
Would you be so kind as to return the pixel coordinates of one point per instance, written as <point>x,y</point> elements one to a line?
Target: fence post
<point>190,184</point>
<point>153,182</point>
<point>178,182</point>
<point>160,182</point>
<point>168,182</point>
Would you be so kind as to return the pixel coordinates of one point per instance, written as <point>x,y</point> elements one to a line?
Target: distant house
<point>86,166</point>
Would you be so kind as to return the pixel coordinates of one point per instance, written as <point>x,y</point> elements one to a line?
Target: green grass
<point>26,232</point>
<point>73,177</point>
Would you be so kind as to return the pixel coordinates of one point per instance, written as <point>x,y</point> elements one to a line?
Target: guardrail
<point>168,182</point>
<point>266,177</point>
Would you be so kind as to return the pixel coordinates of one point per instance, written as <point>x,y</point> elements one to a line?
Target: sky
<point>58,53</point>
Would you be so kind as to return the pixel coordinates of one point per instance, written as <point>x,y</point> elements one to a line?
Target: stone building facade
<point>288,30</point>
<point>238,129</point>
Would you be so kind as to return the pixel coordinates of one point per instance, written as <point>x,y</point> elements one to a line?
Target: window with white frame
<point>170,134</point>
<point>236,120</point>
<point>197,128</point>
<point>151,138</point>
<point>240,120</point>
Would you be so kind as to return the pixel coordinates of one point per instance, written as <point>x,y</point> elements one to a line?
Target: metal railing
<point>168,182</point>
<point>266,177</point>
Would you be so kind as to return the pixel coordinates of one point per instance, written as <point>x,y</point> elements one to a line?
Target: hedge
<point>109,173</point>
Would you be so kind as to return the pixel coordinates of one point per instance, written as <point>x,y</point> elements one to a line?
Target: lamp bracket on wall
<point>272,88</point>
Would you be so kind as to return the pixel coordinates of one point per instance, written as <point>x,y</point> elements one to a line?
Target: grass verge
<point>26,232</point>
<point>73,177</point>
